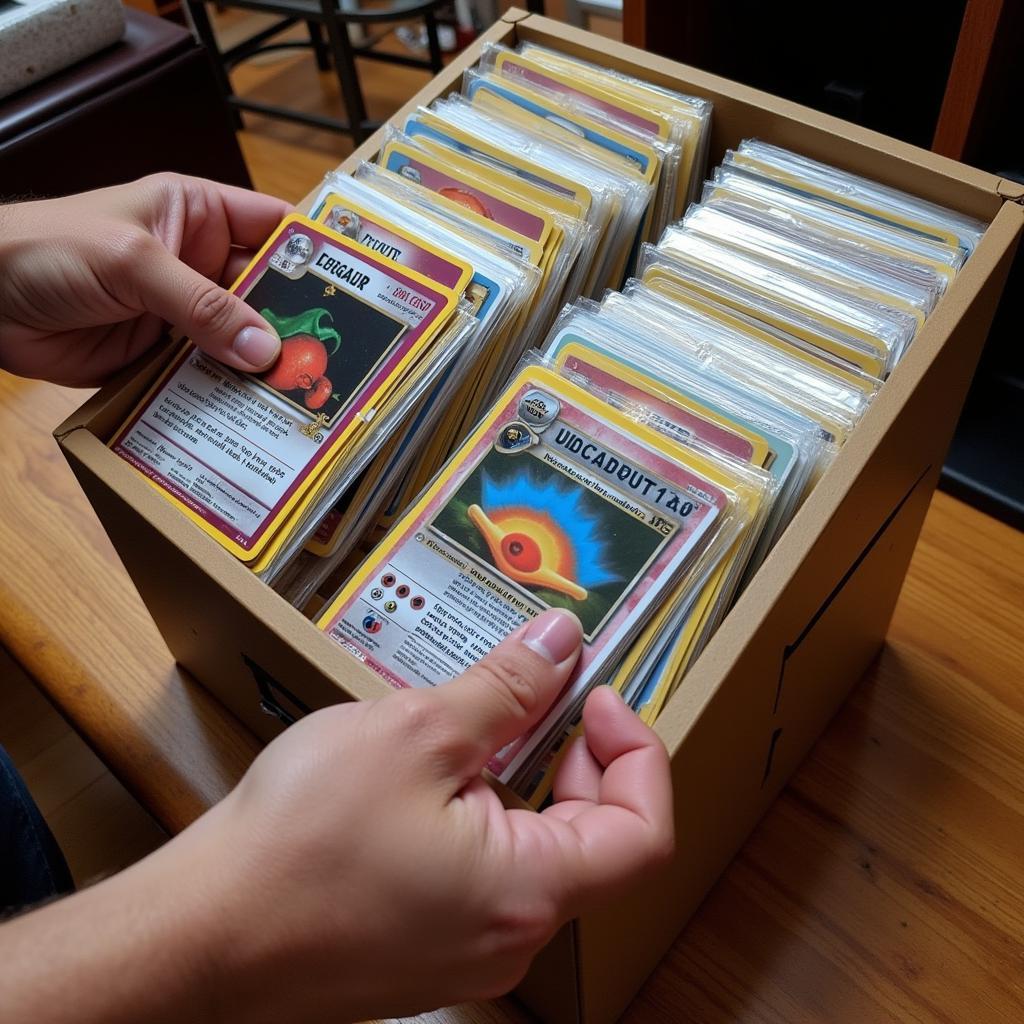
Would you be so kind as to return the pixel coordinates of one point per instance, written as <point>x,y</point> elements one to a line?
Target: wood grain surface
<point>71,618</point>
<point>885,883</point>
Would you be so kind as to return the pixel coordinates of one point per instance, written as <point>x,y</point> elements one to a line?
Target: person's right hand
<point>364,868</point>
<point>373,869</point>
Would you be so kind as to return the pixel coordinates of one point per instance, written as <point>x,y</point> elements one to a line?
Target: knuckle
<point>128,250</point>
<point>163,181</point>
<point>508,683</point>
<point>417,716</point>
<point>210,308</point>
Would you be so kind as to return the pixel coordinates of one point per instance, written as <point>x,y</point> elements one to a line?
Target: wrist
<point>123,950</point>
<point>246,934</point>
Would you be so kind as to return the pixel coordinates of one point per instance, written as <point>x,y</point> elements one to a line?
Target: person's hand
<point>364,865</point>
<point>87,282</point>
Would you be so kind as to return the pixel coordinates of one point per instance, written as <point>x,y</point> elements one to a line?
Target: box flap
<point>514,15</point>
<point>112,395</point>
<point>1012,191</point>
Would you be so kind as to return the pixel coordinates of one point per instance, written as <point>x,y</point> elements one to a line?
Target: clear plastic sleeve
<point>618,196</point>
<point>672,115</point>
<point>658,159</point>
<point>859,195</point>
<point>878,333</point>
<point>817,256</point>
<point>558,254</point>
<point>460,336</point>
<point>813,216</point>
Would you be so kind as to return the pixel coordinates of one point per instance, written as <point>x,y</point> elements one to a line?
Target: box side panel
<point>549,987</point>
<point>243,641</point>
<point>102,413</point>
<point>733,764</point>
<point>774,690</point>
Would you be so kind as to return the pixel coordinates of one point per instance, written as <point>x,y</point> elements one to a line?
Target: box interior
<point>739,113</point>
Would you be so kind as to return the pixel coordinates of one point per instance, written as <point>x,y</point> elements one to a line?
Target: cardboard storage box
<point>787,654</point>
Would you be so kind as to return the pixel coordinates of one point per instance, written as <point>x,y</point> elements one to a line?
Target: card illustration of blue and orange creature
<point>238,452</point>
<point>555,500</point>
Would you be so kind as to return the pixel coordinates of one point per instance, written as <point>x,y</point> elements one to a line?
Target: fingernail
<point>554,635</point>
<point>256,346</point>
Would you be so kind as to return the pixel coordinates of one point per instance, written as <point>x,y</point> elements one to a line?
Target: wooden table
<point>886,883</point>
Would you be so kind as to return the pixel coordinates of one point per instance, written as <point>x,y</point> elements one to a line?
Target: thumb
<point>219,322</point>
<point>507,692</point>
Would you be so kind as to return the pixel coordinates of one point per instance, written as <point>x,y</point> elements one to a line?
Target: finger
<point>237,261</point>
<point>220,323</point>
<point>579,775</point>
<point>251,216</point>
<point>629,830</point>
<point>636,775</point>
<point>506,693</point>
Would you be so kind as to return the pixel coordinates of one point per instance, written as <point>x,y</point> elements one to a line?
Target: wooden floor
<point>98,825</point>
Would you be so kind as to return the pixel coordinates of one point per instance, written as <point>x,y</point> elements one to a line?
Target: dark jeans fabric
<point>32,868</point>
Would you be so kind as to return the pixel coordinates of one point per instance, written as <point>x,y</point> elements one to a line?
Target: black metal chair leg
<point>345,68</point>
<point>433,43</point>
<point>320,48</point>
<point>204,32</point>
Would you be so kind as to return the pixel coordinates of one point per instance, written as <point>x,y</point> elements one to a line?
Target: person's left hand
<point>87,282</point>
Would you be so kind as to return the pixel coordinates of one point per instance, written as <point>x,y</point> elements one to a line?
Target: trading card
<point>555,500</point>
<point>861,350</point>
<point>641,156</point>
<point>841,195</point>
<point>427,124</point>
<point>506,104</point>
<point>541,201</point>
<point>641,110</point>
<point>670,411</point>
<point>436,174</point>
<point>666,280</point>
<point>237,452</point>
<point>354,220</point>
<point>523,67</point>
<point>374,231</point>
<point>773,337</point>
<point>680,118</point>
<point>510,242</point>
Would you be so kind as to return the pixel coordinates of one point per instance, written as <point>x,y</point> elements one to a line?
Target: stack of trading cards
<point>467,426</point>
<point>555,500</point>
<point>747,348</point>
<point>252,460</point>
